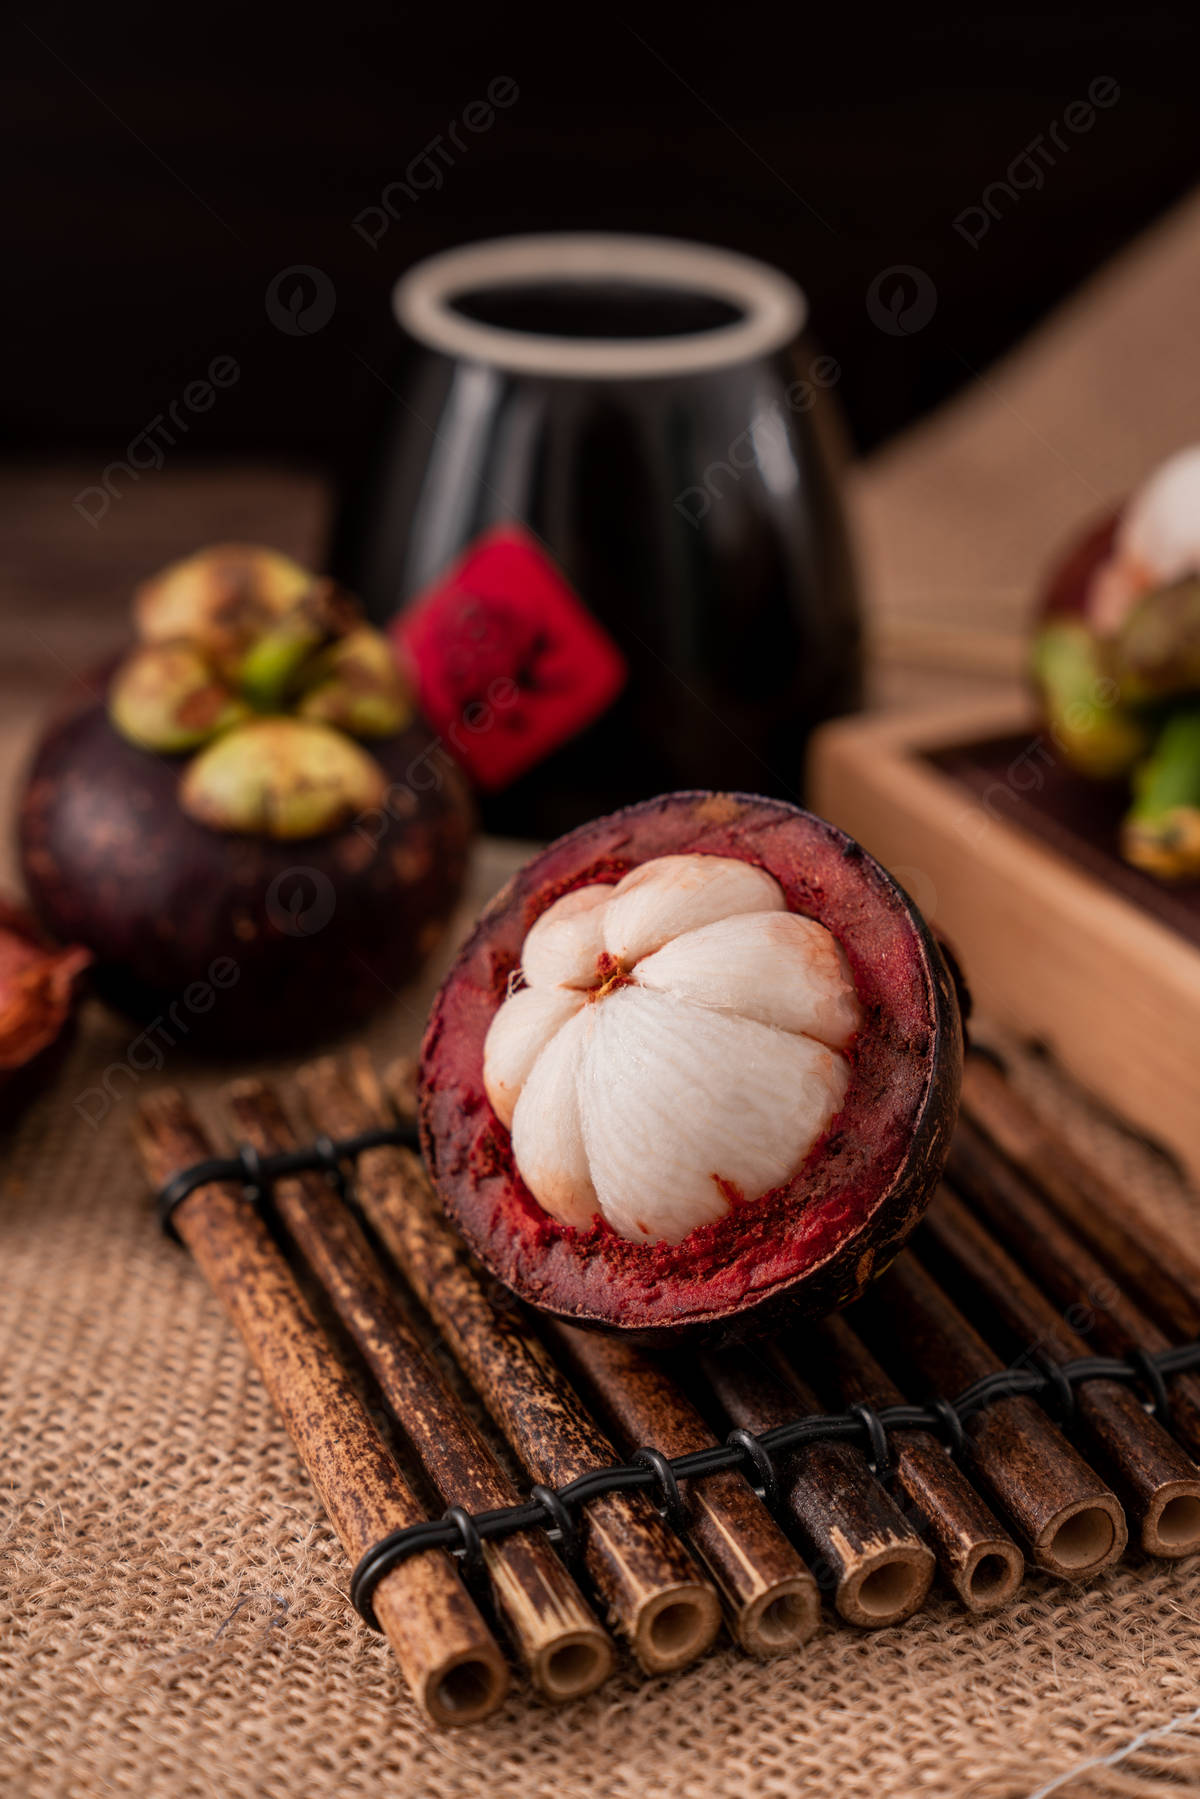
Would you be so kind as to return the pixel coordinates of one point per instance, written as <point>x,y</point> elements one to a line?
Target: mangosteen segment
<point>699,1058</point>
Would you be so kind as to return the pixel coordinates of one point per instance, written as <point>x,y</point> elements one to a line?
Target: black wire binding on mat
<point>659,1475</point>
<point>255,1174</point>
<point>556,1510</point>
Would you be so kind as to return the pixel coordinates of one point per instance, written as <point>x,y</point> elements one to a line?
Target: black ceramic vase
<point>603,520</point>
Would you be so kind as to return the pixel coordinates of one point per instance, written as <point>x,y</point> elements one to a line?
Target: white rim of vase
<point>774,309</point>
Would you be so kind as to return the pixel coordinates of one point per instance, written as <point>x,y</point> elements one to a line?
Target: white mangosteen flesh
<point>676,1049</point>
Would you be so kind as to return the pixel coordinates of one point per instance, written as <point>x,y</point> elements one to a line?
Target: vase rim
<point>773,308</point>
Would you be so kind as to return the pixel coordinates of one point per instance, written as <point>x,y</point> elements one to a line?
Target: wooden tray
<point>1013,858</point>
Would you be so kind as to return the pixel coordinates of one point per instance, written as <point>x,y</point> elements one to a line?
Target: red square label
<point>506,659</point>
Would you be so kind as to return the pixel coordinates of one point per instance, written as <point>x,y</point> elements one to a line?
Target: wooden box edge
<point>1047,949</point>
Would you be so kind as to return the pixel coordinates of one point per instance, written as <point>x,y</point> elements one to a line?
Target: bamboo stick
<point>770,1596</point>
<point>1157,1483</point>
<point>1165,1278</point>
<point>566,1651</point>
<point>878,1566</point>
<point>976,1554</point>
<point>657,1597</point>
<point>1064,1267</point>
<point>1073,1525</point>
<point>445,1650</point>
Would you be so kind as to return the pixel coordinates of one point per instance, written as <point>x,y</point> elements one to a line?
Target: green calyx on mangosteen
<point>254,791</point>
<point>224,600</point>
<point>353,684</point>
<point>1161,831</point>
<point>1116,662</point>
<point>1099,737</point>
<point>1156,649</point>
<point>165,697</point>
<point>282,778</point>
<point>695,1072</point>
<point>243,646</point>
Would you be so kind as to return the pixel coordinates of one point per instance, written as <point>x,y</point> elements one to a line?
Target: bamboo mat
<point>173,1618</point>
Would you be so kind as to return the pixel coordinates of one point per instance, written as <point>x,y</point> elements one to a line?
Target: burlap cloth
<point>173,1618</point>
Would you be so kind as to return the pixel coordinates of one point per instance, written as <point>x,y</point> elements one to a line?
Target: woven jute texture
<point>173,1612</point>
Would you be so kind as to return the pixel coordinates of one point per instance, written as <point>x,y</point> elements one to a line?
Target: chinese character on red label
<point>507,660</point>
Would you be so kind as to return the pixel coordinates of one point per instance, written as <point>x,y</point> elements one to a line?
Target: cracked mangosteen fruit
<point>250,829</point>
<point>695,1071</point>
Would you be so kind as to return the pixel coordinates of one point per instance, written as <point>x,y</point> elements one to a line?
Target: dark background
<point>169,163</point>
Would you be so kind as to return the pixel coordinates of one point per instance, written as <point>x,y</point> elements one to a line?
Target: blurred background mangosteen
<point>252,832</point>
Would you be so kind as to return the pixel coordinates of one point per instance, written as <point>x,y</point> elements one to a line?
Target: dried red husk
<point>38,988</point>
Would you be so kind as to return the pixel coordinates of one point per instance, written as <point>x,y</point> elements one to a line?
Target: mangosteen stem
<point>269,667</point>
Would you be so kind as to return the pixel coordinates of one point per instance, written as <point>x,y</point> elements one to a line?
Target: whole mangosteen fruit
<point>252,831</point>
<point>695,1071</point>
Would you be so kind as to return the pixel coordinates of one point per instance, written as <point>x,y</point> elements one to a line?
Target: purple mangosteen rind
<point>733,1277</point>
<point>238,940</point>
